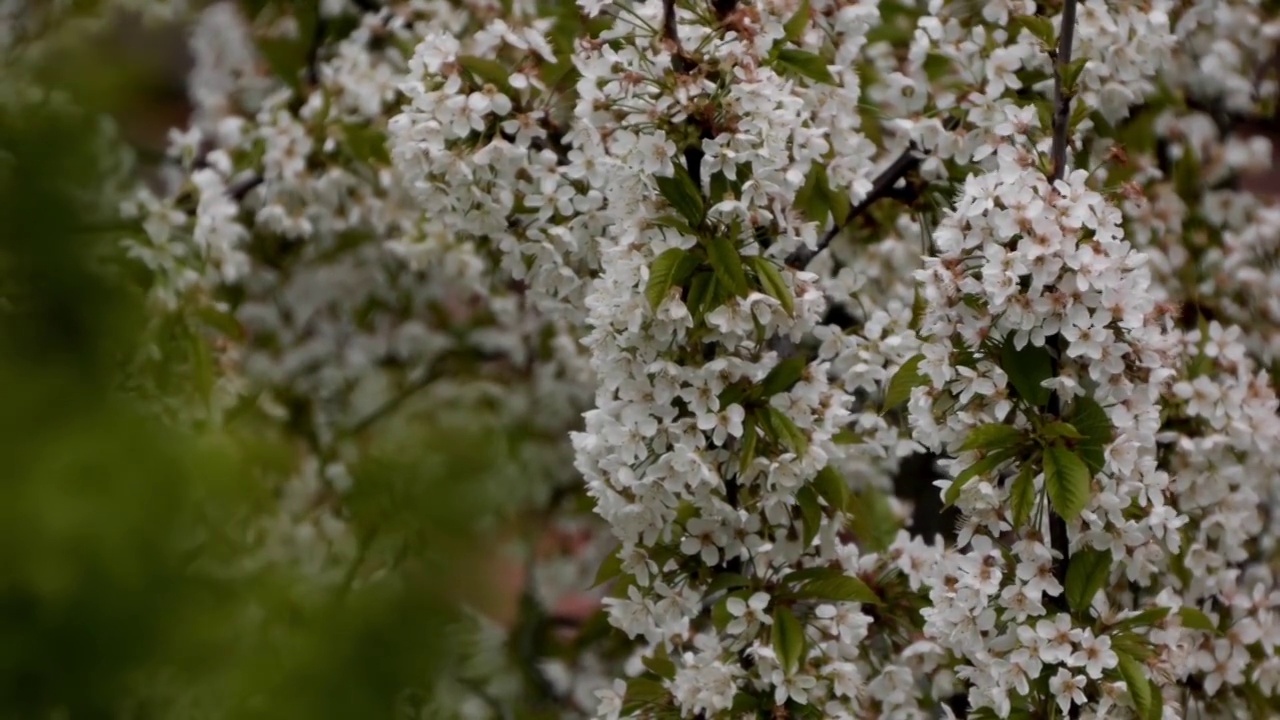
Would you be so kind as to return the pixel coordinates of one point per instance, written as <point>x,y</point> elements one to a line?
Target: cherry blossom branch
<point>1059,540</point>
<point>669,29</point>
<point>1062,94</point>
<point>882,187</point>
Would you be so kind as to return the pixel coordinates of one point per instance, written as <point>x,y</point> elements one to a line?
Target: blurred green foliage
<point>121,590</point>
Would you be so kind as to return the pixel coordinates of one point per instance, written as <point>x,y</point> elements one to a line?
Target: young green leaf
<point>811,200</point>
<point>488,71</point>
<point>1195,619</point>
<point>1156,711</point>
<point>872,520</point>
<point>805,64</point>
<point>1027,369</point>
<point>1022,495</point>
<point>1057,429</point>
<point>832,488</point>
<point>727,263</point>
<point>992,436</point>
<point>1088,417</point>
<point>906,379</point>
<point>978,469</point>
<point>670,269</point>
<point>772,283</point>
<point>785,430</point>
<point>810,511</point>
<point>725,581</point>
<point>609,569</point>
<point>784,375</point>
<point>1136,681</point>
<point>1146,618</point>
<point>788,639</point>
<point>1067,480</point>
<point>683,195</point>
<point>1039,26</point>
<point>795,25</point>
<point>1087,572</point>
<point>841,588</point>
<point>660,664</point>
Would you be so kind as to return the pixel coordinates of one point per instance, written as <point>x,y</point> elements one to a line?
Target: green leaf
<point>796,24</point>
<point>906,379</point>
<point>675,222</point>
<point>841,588</point>
<point>1058,429</point>
<point>784,375</point>
<point>872,520</point>
<point>701,292</point>
<point>980,468</point>
<point>1039,26</point>
<point>660,664</point>
<point>670,269</point>
<point>1146,618</point>
<point>726,581</point>
<point>832,488</point>
<point>610,568</point>
<point>1132,645</point>
<point>1088,417</point>
<point>1087,572</point>
<point>811,200</point>
<point>1072,73</point>
<point>643,691</point>
<point>1156,712</point>
<point>1027,368</point>
<point>488,71</point>
<point>1195,619</point>
<point>367,143</point>
<point>811,511</point>
<point>785,430</point>
<point>1067,480</point>
<point>1136,681</point>
<point>992,436</point>
<point>727,263</point>
<point>772,283</point>
<point>683,195</point>
<point>805,64</point>
<point>1022,495</point>
<point>788,639</point>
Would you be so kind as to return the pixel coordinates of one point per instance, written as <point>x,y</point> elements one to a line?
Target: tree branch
<point>1059,538</point>
<point>1061,94</point>
<point>669,29</point>
<point>882,187</point>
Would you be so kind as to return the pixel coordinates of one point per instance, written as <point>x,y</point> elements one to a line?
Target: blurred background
<point>129,585</point>
<point>130,579</point>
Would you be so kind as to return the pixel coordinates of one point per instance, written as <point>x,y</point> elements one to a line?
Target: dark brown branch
<point>724,8</point>
<point>882,187</point>
<point>1061,93</point>
<point>239,190</point>
<point>669,29</point>
<point>1059,538</point>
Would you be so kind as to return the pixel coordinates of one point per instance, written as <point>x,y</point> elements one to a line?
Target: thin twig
<point>239,190</point>
<point>669,29</point>
<point>313,51</point>
<point>881,188</point>
<point>1061,94</point>
<point>724,8</point>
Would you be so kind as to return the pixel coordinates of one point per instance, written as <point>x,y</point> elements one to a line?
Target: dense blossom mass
<point>782,287</point>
